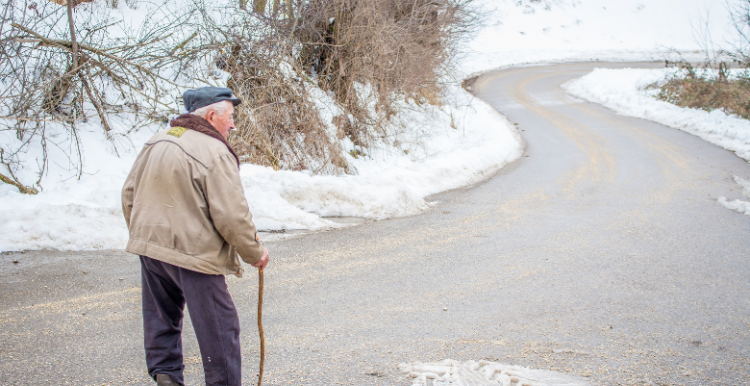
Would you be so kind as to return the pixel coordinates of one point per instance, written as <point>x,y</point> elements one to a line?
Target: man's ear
<point>210,115</point>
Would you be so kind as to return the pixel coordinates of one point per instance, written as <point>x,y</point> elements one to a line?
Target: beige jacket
<point>184,205</point>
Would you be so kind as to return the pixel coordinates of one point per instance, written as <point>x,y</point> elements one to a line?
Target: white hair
<point>219,108</point>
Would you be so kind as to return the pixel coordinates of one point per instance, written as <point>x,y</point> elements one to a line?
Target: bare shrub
<point>712,86</point>
<point>397,48</point>
<point>707,90</point>
<point>278,124</point>
<point>368,54</point>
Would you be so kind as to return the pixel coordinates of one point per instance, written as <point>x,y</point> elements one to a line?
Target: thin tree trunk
<point>83,77</point>
<point>73,42</point>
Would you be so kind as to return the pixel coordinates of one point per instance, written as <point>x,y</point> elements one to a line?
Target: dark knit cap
<point>204,96</point>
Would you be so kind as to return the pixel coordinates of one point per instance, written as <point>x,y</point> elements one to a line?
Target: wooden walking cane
<point>260,324</point>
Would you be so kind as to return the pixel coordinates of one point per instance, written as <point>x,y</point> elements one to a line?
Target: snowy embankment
<point>625,91</point>
<point>450,147</point>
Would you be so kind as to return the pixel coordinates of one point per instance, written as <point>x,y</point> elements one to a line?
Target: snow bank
<point>623,90</point>
<point>484,373</point>
<point>71,214</point>
<point>391,182</point>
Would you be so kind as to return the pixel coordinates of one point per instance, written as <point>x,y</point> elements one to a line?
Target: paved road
<point>602,252</point>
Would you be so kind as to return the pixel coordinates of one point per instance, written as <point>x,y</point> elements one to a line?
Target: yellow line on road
<point>672,161</point>
<point>600,166</point>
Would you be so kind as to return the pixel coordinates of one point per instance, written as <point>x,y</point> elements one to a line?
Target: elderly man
<point>188,219</point>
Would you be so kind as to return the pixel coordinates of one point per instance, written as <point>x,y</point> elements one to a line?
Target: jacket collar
<point>194,122</point>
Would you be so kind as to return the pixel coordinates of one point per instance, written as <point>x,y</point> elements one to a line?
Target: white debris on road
<point>484,373</point>
<point>739,206</point>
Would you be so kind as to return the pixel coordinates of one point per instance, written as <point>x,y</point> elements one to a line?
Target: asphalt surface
<point>602,253</point>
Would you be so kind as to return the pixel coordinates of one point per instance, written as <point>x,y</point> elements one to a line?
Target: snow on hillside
<point>461,143</point>
<point>544,31</point>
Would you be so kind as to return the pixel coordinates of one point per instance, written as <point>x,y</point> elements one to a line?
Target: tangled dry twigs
<point>52,76</point>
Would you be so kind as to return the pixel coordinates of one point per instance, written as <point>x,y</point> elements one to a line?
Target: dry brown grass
<point>712,90</point>
<point>705,91</point>
<point>278,125</point>
<point>396,46</point>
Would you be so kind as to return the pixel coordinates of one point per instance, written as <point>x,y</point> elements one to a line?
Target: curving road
<point>602,252</point>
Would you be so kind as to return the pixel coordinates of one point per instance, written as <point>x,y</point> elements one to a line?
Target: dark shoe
<point>165,380</point>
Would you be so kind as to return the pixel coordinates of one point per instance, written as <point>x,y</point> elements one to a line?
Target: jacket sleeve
<point>229,210</point>
<point>128,191</point>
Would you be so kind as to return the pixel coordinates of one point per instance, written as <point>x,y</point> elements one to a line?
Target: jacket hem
<point>182,260</point>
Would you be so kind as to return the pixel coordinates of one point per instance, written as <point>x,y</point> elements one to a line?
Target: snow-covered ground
<point>429,157</point>
<point>625,91</point>
<point>461,143</point>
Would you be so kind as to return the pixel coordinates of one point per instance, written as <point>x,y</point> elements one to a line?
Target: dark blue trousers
<point>166,290</point>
